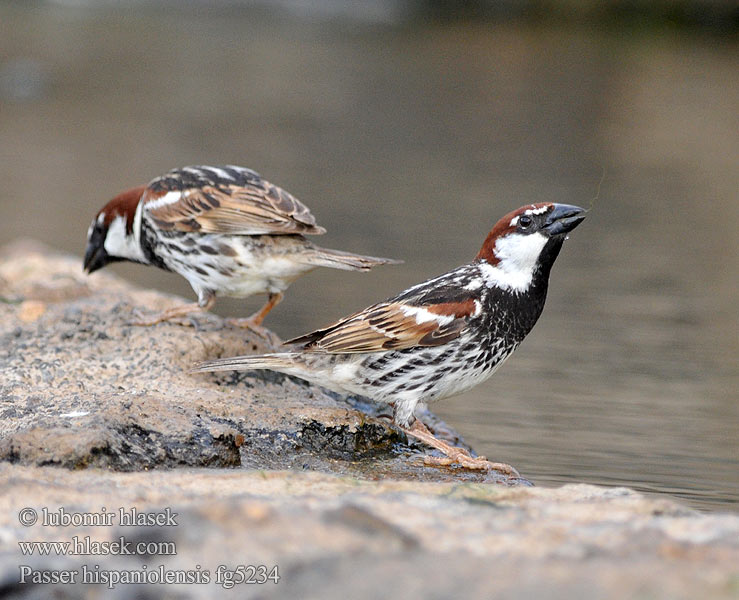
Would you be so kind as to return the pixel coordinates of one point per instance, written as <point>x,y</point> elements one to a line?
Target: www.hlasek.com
<point>86,546</point>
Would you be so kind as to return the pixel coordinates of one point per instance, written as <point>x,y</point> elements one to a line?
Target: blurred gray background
<point>409,128</point>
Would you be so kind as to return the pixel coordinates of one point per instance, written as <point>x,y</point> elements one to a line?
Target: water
<point>410,141</point>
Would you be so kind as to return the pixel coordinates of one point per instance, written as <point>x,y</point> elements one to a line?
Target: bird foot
<point>175,316</point>
<point>454,454</point>
<point>243,323</point>
<point>464,459</point>
<point>269,337</point>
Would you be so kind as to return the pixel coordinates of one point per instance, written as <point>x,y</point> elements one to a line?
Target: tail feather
<point>275,362</point>
<point>337,259</point>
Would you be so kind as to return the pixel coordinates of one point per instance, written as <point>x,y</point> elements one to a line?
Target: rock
<point>326,491</point>
<point>83,387</point>
<point>338,537</point>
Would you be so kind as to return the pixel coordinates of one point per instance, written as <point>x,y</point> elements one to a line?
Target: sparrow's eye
<point>525,221</point>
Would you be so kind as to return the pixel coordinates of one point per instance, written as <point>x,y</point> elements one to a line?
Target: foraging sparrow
<point>440,337</point>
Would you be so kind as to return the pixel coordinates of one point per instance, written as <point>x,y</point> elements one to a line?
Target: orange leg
<point>454,455</point>
<point>255,321</point>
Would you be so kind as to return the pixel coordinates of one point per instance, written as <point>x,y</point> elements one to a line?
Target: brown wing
<point>392,326</point>
<point>229,200</point>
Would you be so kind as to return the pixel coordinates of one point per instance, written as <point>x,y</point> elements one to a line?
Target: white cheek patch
<point>518,257</point>
<point>119,244</point>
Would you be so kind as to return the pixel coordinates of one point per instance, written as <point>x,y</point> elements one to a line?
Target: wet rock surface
<point>272,471</point>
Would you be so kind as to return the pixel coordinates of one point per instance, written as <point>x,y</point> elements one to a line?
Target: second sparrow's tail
<point>275,362</point>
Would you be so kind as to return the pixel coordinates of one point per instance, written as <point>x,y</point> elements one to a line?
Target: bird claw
<point>268,336</point>
<point>243,324</point>
<point>141,320</point>
<point>477,463</point>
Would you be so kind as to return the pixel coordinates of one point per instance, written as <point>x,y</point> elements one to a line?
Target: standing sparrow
<point>440,337</point>
<point>224,229</point>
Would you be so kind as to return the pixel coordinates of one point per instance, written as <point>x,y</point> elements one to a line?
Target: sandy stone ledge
<point>339,537</point>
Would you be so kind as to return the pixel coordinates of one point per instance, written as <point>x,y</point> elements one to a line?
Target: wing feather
<point>392,326</point>
<point>230,200</point>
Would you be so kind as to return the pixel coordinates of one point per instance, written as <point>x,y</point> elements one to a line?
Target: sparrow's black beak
<point>95,258</point>
<point>563,218</point>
